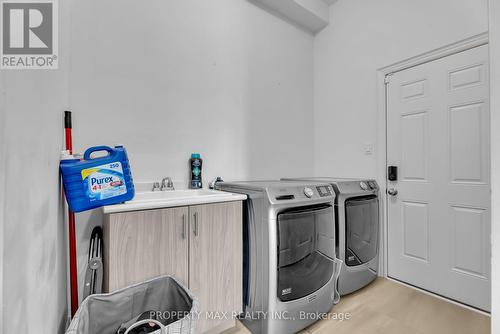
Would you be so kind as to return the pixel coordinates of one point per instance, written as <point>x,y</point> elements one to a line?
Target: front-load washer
<point>290,268</point>
<point>357,216</point>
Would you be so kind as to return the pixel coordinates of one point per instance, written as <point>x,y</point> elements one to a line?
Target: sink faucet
<point>215,181</point>
<point>167,184</point>
<point>156,186</point>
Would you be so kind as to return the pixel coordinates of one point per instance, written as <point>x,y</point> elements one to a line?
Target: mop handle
<point>71,228</point>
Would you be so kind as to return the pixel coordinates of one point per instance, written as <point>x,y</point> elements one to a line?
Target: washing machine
<point>357,241</point>
<point>289,264</point>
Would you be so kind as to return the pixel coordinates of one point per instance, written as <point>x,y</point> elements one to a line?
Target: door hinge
<point>387,78</point>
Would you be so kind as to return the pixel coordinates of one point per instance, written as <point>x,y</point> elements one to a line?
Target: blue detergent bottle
<point>94,182</point>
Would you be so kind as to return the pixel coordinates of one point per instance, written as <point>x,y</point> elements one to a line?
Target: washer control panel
<point>308,192</point>
<point>290,192</point>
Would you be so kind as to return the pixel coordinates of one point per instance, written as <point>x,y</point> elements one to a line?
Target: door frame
<point>383,74</point>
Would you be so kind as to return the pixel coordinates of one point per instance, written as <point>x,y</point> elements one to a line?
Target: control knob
<point>363,185</point>
<point>308,192</point>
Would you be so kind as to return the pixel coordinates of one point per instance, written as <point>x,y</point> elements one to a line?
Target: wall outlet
<point>368,148</point>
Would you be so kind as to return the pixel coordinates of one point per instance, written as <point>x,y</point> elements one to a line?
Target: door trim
<point>435,54</point>
<point>382,74</point>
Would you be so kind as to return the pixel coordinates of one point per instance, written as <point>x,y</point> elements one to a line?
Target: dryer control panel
<point>357,187</point>
<point>324,191</point>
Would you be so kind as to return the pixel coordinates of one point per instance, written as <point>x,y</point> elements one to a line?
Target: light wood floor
<point>386,307</point>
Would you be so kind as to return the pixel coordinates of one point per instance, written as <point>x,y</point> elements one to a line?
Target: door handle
<point>195,224</point>
<point>392,191</point>
<point>183,226</point>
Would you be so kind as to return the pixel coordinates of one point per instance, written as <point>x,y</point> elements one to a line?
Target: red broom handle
<point>69,140</point>
<point>71,229</point>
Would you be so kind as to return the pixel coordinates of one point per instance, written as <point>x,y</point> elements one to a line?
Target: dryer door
<point>362,225</point>
<point>306,249</point>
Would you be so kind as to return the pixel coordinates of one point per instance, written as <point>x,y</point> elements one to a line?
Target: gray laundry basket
<point>105,313</point>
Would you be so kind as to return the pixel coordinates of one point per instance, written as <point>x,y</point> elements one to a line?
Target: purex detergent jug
<point>93,182</point>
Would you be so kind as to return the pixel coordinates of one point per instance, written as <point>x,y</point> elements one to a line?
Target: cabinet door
<point>141,245</point>
<point>215,265</point>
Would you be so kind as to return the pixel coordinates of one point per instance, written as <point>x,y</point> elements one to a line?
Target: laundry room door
<point>438,137</point>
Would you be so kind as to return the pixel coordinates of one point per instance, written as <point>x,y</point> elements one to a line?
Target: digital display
<point>324,191</point>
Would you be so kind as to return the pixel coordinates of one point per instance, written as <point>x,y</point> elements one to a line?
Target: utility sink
<point>176,194</point>
<point>165,199</point>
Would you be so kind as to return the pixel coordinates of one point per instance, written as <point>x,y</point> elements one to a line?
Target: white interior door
<point>438,135</point>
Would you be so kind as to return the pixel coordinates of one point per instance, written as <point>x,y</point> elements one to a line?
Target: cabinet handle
<point>183,226</point>
<point>196,224</point>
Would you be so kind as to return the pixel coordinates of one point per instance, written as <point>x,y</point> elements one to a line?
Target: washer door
<point>306,249</point>
<point>361,223</point>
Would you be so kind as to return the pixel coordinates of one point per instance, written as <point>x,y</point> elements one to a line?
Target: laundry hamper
<point>175,309</point>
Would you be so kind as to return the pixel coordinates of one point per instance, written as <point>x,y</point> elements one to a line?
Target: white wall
<point>33,238</point>
<point>2,190</point>
<point>495,159</point>
<point>167,78</point>
<point>362,37</point>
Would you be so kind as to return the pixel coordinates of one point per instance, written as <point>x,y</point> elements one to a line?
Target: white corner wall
<point>495,158</point>
<point>34,284</point>
<point>363,36</point>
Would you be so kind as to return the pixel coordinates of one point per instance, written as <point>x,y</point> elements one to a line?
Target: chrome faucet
<point>167,184</point>
<point>156,186</point>
<point>215,181</point>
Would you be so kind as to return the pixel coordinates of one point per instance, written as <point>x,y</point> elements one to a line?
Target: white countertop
<point>167,199</point>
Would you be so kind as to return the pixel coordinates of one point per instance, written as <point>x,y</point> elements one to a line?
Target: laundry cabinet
<point>200,245</point>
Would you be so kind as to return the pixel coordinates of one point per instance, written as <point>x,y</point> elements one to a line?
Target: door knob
<point>392,192</point>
